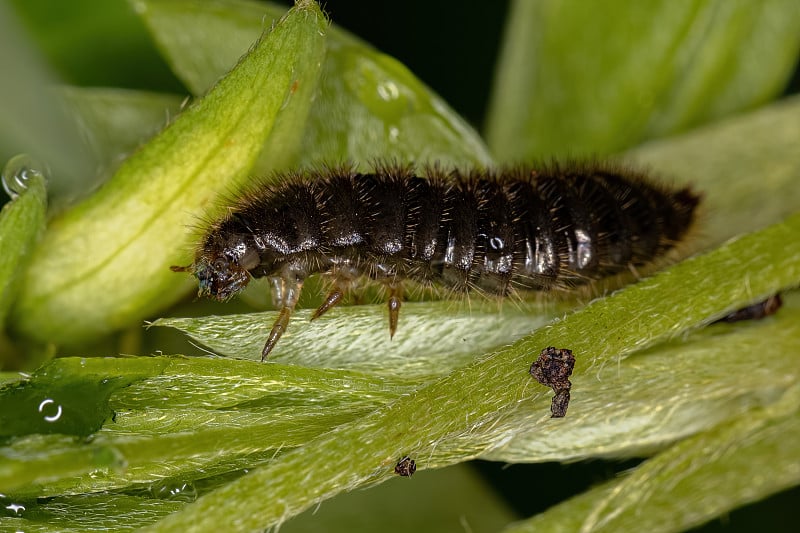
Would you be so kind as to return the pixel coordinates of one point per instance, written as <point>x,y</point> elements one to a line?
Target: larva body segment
<point>496,232</point>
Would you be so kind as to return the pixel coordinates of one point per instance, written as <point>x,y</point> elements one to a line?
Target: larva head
<point>219,278</point>
<point>222,265</point>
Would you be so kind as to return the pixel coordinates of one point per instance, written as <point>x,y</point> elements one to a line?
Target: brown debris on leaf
<point>553,369</point>
<point>405,467</point>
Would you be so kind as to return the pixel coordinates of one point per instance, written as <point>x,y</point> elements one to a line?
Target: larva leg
<point>331,300</point>
<point>344,278</point>
<point>395,300</point>
<point>285,294</point>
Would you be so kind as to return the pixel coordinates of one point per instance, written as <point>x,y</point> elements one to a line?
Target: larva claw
<point>331,300</point>
<point>394,314</point>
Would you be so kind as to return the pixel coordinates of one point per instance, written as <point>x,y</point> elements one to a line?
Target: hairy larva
<point>496,232</point>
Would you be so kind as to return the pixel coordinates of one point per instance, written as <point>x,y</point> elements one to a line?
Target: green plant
<point>177,443</point>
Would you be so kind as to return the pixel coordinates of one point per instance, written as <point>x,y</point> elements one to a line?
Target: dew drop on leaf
<point>19,170</point>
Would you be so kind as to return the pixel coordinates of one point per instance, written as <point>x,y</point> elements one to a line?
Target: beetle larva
<point>496,232</point>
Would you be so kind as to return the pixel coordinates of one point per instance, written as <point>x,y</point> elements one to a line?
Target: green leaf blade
<point>114,123</point>
<point>435,337</point>
<point>96,270</point>
<point>173,417</point>
<point>368,106</point>
<point>694,481</point>
<point>214,34</point>
<point>637,405</point>
<point>576,81</point>
<point>746,167</point>
<point>31,120</point>
<point>22,222</point>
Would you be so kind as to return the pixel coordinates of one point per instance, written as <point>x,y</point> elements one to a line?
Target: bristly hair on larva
<point>498,232</point>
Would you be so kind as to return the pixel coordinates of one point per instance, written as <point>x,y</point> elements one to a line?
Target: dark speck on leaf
<point>405,467</point>
<point>553,369</point>
<point>558,407</point>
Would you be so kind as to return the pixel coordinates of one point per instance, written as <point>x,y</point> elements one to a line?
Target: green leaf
<point>31,120</point>
<point>21,224</point>
<point>367,105</point>
<point>631,407</point>
<point>697,479</point>
<point>105,263</point>
<point>577,79</point>
<point>114,123</point>
<point>214,34</point>
<point>746,167</point>
<point>434,337</point>
<point>441,501</point>
<point>93,44</point>
<point>452,499</point>
<point>109,511</point>
<point>707,368</point>
<point>173,419</point>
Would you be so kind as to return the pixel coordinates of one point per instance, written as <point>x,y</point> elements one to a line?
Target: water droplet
<point>180,492</point>
<point>15,508</point>
<point>388,90</point>
<point>9,508</point>
<point>50,409</point>
<point>18,171</point>
<point>378,84</point>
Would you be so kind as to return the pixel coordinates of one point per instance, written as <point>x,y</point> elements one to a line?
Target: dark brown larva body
<point>554,227</point>
<point>757,311</point>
